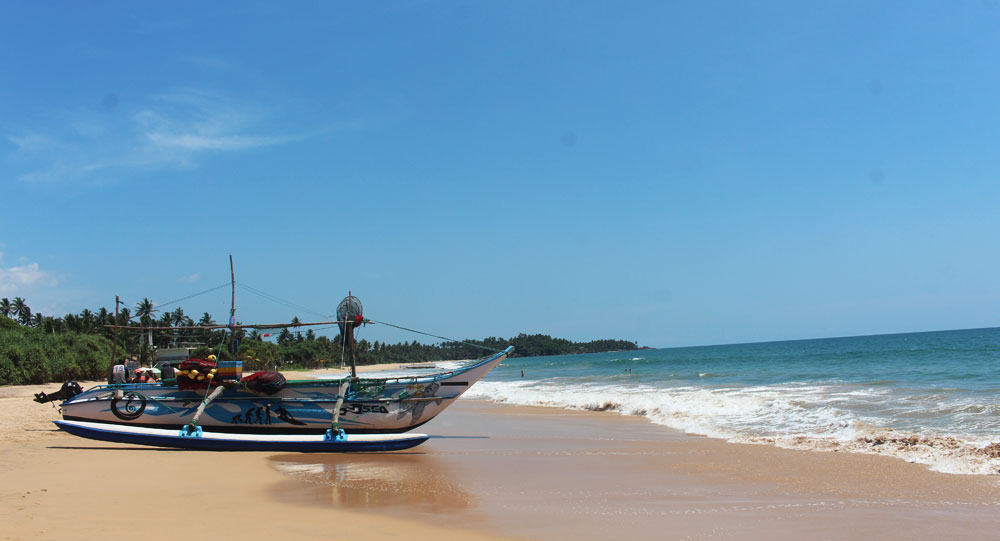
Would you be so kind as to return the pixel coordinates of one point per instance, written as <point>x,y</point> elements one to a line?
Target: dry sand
<point>492,471</point>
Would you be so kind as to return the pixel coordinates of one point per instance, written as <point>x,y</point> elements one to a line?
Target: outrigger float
<point>210,406</point>
<point>207,441</point>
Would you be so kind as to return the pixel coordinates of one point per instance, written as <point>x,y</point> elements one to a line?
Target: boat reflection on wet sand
<point>418,482</point>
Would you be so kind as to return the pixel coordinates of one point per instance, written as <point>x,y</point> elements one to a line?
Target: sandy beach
<point>490,472</point>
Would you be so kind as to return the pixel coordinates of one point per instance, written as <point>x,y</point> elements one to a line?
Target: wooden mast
<point>232,309</point>
<point>232,302</point>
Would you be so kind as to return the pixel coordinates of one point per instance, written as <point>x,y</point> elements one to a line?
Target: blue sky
<point>674,173</point>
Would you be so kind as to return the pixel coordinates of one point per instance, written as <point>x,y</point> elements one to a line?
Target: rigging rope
<point>435,336</point>
<point>162,304</point>
<point>279,300</point>
<point>290,304</point>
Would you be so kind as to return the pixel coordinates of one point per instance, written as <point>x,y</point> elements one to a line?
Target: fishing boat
<point>233,404</point>
<point>369,405</point>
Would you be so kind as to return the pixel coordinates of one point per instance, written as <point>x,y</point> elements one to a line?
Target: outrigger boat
<point>333,415</point>
<point>370,405</point>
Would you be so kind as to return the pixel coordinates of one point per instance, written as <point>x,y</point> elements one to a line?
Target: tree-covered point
<point>37,349</point>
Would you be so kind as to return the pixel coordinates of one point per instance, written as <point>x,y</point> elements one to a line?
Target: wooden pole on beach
<point>114,339</point>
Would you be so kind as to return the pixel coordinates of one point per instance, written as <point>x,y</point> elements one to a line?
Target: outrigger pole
<point>192,429</point>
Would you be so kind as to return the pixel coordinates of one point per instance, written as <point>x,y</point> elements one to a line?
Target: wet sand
<point>539,473</point>
<point>491,471</point>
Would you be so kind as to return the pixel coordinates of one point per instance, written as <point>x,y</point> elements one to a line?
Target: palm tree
<point>21,310</point>
<point>144,311</point>
<point>163,340</point>
<point>50,324</point>
<point>205,336</point>
<point>177,318</point>
<point>87,320</point>
<point>124,315</point>
<point>5,307</point>
<point>104,317</point>
<point>37,319</point>
<point>284,337</point>
<point>73,323</point>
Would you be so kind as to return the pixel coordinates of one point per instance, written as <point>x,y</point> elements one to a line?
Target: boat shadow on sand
<point>407,481</point>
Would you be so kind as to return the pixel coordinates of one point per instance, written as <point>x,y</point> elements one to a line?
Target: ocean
<point>929,397</point>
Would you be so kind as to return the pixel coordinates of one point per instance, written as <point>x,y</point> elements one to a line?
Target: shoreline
<point>490,471</point>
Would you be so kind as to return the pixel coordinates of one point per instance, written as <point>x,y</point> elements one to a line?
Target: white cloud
<point>194,142</point>
<point>169,130</point>
<point>192,277</point>
<point>18,280</point>
<point>31,142</point>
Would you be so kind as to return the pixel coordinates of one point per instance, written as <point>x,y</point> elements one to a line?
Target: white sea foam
<point>801,416</point>
<point>450,365</point>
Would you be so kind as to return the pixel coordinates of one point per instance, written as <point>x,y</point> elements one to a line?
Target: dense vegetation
<point>29,355</point>
<point>38,349</point>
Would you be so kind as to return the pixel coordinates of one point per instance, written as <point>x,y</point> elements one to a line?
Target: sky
<point>672,173</point>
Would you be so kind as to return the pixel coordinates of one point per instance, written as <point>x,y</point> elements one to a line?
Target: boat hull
<point>371,406</point>
<point>207,441</point>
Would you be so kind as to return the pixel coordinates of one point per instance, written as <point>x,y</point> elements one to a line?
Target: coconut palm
<point>104,317</point>
<point>205,336</point>
<point>177,319</point>
<point>21,310</point>
<point>144,311</point>
<point>87,320</point>
<point>73,323</point>
<point>6,308</point>
<point>124,315</point>
<point>50,324</point>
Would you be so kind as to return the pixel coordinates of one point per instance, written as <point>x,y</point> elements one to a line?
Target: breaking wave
<point>819,417</point>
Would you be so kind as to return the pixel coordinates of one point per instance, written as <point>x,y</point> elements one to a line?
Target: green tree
<point>144,311</point>
<point>205,335</point>
<point>21,311</point>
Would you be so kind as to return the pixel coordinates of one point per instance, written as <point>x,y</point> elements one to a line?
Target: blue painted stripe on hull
<point>302,446</point>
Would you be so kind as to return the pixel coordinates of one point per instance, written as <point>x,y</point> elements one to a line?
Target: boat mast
<point>232,302</point>
<point>232,311</point>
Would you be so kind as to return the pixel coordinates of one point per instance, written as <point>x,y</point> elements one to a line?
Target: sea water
<point>927,397</point>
